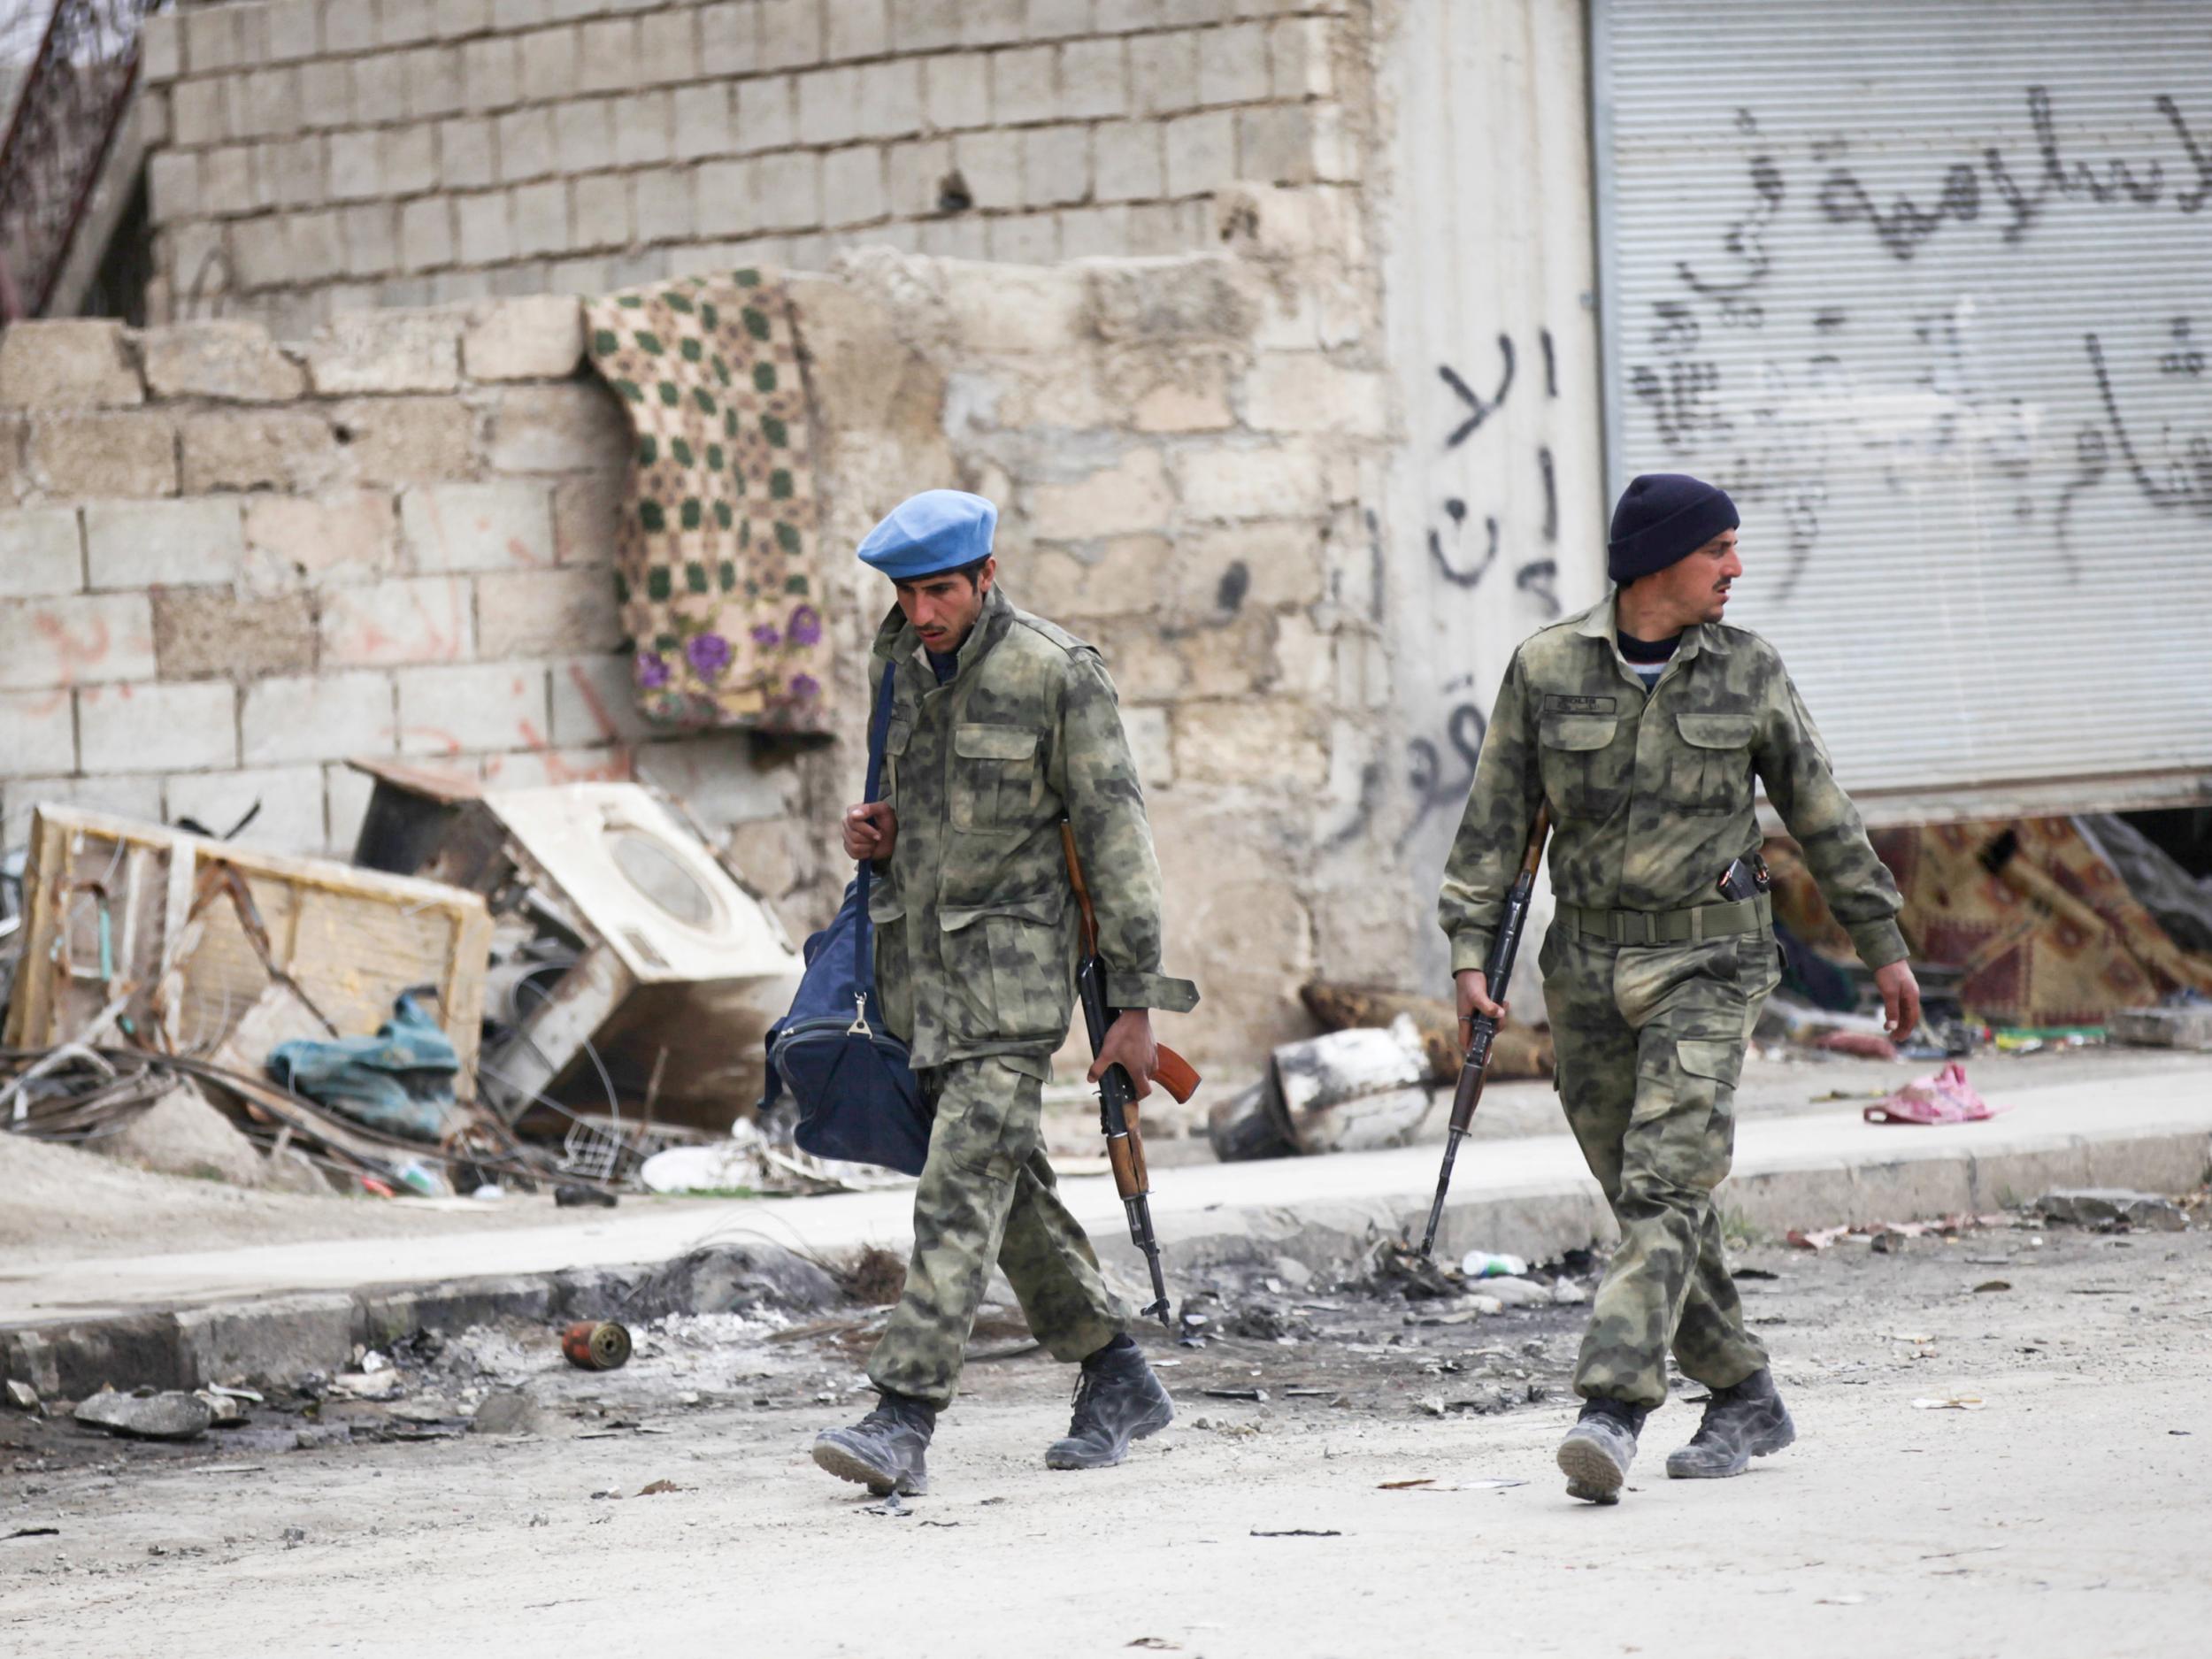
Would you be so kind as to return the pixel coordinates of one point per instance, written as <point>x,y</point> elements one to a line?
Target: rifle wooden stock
<point>1117,1092</point>
<point>1126,1153</point>
<point>1175,1074</point>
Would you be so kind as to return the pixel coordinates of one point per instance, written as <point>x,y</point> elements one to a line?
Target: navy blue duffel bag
<point>858,1095</point>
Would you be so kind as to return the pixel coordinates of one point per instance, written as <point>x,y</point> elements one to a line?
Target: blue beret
<point>937,530</point>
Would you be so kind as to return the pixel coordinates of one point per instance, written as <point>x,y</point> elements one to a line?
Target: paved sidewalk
<point>1528,1195</point>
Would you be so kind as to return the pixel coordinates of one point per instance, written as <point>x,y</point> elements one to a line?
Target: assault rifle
<point>1482,1030</point>
<point>1116,1094</point>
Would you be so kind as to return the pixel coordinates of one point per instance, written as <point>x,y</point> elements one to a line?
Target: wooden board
<point>350,939</point>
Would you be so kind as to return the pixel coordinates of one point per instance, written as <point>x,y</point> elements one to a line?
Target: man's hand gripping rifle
<point>1116,1094</point>
<point>1482,1029</point>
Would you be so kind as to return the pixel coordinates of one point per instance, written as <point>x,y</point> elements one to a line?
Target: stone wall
<point>229,565</point>
<point>1189,453</point>
<point>312,156</point>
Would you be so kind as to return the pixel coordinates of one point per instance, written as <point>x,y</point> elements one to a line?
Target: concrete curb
<point>277,1338</point>
<point>1540,1220</point>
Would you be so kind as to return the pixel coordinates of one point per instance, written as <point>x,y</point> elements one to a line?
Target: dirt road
<point>2067,1516</point>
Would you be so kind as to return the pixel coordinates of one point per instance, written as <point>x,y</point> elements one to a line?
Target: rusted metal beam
<point>65,120</point>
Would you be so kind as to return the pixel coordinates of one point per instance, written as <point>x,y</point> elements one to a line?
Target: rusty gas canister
<point>596,1345</point>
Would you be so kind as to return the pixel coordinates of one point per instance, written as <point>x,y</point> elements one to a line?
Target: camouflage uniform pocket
<point>1711,771</point>
<point>894,745</point>
<point>1546,953</point>
<point>1578,776</point>
<point>1010,964</point>
<point>1719,1059</point>
<point>994,776</point>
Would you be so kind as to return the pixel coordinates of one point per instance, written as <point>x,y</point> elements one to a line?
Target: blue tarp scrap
<point>400,1080</point>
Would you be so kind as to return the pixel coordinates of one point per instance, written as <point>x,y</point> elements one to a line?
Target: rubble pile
<point>504,991</point>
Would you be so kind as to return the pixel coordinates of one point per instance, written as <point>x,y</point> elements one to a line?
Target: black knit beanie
<point>1661,518</point>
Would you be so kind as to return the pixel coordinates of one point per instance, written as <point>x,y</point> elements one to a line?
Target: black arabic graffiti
<point>1907,224</point>
<point>1479,409</point>
<point>1458,570</point>
<point>1771,429</point>
<point>1459,576</point>
<point>2188,482</point>
<point>2176,483</point>
<point>1746,242</point>
<point>1464,728</point>
<point>1460,565</point>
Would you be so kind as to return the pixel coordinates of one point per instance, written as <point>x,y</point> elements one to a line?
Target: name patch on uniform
<point>1555,703</point>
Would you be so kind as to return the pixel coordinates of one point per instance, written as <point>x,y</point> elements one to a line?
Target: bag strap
<point>878,728</point>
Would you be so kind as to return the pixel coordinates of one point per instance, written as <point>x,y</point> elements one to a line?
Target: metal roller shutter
<point>1927,286</point>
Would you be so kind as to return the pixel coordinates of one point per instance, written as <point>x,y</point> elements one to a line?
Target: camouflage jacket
<point>976,922</point>
<point>1651,794</point>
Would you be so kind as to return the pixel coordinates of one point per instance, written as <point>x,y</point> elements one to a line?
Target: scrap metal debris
<point>596,1345</point>
<point>1518,1051</point>
<point>674,967</point>
<point>2183,1022</point>
<point>750,1163</point>
<point>630,960</point>
<point>1885,1235</point>
<point>1368,1081</point>
<point>2111,1210</point>
<point>92,1093</point>
<point>160,937</point>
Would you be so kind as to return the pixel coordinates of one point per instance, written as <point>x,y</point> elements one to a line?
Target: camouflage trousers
<point>1650,1042</point>
<point>988,1195</point>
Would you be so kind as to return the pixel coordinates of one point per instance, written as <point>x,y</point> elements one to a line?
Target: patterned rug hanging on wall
<point>715,565</point>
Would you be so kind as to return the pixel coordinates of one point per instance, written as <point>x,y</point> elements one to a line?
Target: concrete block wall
<point>227,566</point>
<point>1186,453</point>
<point>314,157</point>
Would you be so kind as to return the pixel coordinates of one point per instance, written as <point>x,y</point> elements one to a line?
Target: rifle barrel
<point>1443,1186</point>
<point>1482,1030</point>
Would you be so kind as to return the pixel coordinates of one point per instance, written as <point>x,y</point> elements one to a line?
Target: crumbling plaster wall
<point>228,565</point>
<point>312,156</point>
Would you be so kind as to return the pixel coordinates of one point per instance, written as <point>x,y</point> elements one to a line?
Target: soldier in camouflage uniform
<point>1645,722</point>
<point>1001,727</point>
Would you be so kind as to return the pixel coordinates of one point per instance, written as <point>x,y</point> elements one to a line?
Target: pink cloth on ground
<point>1941,1097</point>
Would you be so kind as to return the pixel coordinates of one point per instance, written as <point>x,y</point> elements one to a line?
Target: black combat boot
<point>1747,1421</point>
<point>1598,1450</point>
<point>883,1450</point>
<point>1117,1400</point>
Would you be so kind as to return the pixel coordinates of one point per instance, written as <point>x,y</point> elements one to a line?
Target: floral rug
<point>715,559</point>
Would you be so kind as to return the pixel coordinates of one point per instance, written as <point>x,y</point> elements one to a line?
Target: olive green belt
<point>1753,915</point>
